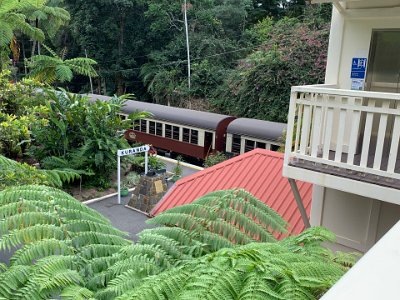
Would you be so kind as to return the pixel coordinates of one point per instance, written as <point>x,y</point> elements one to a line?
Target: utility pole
<point>90,77</point>
<point>187,40</point>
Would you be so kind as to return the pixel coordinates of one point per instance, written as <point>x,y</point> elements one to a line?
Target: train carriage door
<point>383,75</point>
<point>208,142</point>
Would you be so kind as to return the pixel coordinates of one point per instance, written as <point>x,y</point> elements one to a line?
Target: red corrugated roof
<point>258,172</point>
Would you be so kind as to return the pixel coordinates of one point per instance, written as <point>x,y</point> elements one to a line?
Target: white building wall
<point>349,38</point>
<point>357,221</point>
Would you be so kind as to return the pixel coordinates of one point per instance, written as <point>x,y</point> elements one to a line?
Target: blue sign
<point>358,68</point>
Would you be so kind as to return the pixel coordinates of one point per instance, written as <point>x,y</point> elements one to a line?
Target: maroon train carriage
<point>189,132</point>
<point>245,134</point>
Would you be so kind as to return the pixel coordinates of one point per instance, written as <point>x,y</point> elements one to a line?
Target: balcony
<point>343,134</point>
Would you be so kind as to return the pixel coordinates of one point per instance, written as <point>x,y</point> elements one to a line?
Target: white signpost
<point>132,151</point>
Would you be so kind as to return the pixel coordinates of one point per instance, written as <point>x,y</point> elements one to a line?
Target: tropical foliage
<point>61,130</point>
<point>260,86</point>
<point>236,47</point>
<point>13,19</point>
<point>20,107</point>
<point>48,69</point>
<point>62,248</point>
<point>13,173</point>
<point>81,134</point>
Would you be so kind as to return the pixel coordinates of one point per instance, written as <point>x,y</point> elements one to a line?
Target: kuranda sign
<point>131,151</point>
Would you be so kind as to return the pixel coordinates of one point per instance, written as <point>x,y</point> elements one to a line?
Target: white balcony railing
<point>354,130</point>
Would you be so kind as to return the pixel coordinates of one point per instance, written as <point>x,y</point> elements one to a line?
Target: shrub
<point>214,159</point>
<point>260,86</point>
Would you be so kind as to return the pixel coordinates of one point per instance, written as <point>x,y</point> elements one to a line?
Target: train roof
<point>177,115</point>
<point>259,129</point>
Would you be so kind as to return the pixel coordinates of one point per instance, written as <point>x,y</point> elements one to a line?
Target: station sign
<point>136,150</point>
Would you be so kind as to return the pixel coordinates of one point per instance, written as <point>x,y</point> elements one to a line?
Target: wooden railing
<point>354,130</point>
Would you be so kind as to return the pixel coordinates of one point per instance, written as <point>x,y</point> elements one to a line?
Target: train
<point>198,134</point>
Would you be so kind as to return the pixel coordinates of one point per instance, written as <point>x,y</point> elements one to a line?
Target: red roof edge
<point>160,202</point>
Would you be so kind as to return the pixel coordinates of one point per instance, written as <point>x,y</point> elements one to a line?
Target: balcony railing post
<point>290,127</point>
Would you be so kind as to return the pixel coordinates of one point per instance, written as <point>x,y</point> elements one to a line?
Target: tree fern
<point>217,220</point>
<point>56,68</point>
<point>252,271</point>
<point>67,250</point>
<point>42,222</point>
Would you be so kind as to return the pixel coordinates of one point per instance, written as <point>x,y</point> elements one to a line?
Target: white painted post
<point>119,179</point>
<point>131,151</point>
<point>146,162</point>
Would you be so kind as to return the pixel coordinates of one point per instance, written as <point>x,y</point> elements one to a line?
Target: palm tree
<point>51,68</point>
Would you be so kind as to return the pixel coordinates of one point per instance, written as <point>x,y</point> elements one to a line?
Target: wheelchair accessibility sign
<point>358,68</point>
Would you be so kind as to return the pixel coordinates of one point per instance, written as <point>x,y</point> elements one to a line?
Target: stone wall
<point>148,192</point>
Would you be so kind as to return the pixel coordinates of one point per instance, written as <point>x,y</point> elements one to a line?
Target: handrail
<point>341,92</point>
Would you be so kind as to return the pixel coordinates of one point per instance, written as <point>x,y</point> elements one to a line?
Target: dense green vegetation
<point>244,55</point>
<point>62,248</point>
<point>241,51</point>
<point>60,130</point>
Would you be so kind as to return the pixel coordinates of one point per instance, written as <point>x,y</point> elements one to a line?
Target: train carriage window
<point>248,145</point>
<point>136,125</point>
<point>261,145</point>
<point>168,131</point>
<point>186,135</point>
<point>152,127</point>
<point>143,125</point>
<point>236,144</point>
<point>159,129</point>
<point>275,147</point>
<point>123,116</point>
<point>194,137</point>
<point>175,133</point>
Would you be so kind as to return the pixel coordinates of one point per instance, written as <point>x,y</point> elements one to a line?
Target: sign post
<point>131,151</point>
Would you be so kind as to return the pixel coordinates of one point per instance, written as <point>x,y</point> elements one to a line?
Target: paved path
<point>123,218</point>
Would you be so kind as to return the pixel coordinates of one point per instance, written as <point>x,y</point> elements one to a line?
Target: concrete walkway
<point>123,218</point>
<point>187,169</point>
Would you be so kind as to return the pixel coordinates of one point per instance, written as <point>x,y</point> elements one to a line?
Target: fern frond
<point>76,292</point>
<point>13,279</point>
<point>160,256</point>
<point>30,234</point>
<point>119,285</point>
<point>34,251</point>
<point>86,238</point>
<point>170,246</point>
<point>27,219</point>
<point>88,225</point>
<point>99,250</point>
